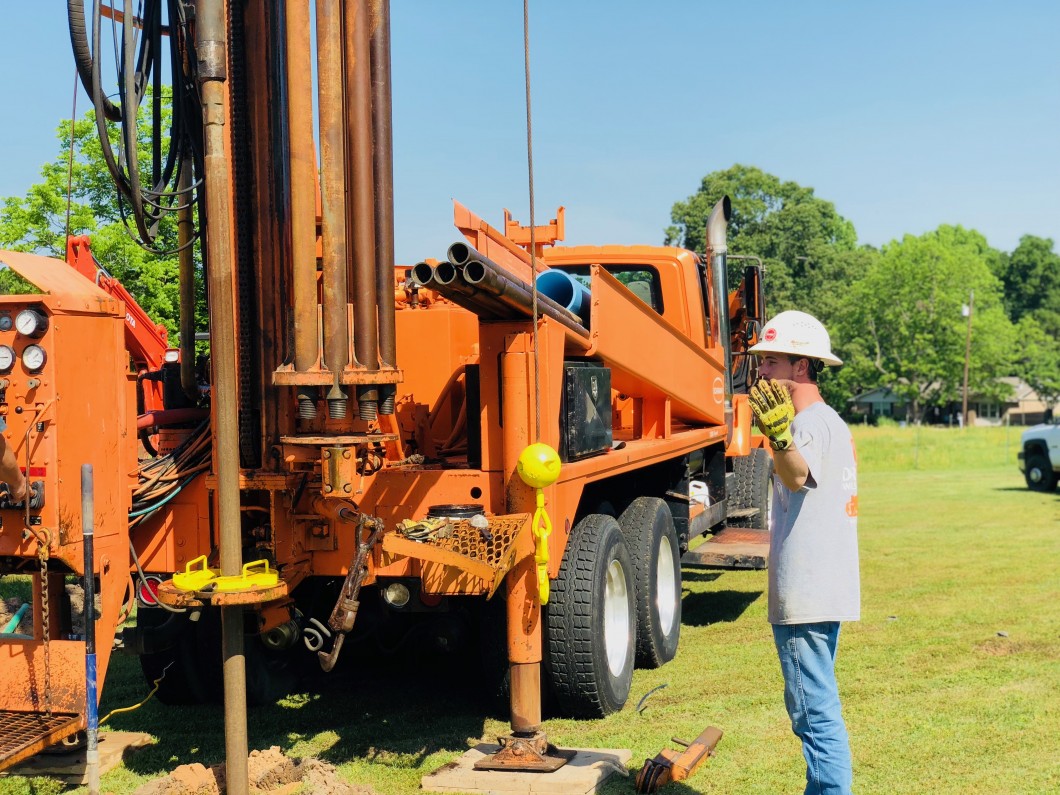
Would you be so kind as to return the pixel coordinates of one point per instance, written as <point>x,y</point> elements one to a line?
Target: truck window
<point>642,281</point>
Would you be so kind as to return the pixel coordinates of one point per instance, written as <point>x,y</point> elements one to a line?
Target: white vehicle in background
<point>1039,456</point>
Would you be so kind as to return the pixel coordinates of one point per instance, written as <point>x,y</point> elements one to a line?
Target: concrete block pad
<point>582,775</point>
<point>114,747</point>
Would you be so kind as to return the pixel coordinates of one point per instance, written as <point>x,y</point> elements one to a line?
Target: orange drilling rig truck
<point>513,443</point>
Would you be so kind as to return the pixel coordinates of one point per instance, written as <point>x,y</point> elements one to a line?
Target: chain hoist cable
<point>70,164</point>
<point>533,241</point>
<point>42,553</point>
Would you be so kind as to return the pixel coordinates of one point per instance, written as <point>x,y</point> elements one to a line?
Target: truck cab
<point>1039,456</point>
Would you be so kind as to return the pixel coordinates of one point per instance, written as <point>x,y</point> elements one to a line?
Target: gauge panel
<point>34,358</point>
<point>31,323</point>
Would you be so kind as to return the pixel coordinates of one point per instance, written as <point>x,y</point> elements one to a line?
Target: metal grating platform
<point>486,555</point>
<point>23,734</point>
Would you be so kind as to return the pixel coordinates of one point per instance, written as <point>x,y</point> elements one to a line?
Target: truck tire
<point>754,474</point>
<point>1039,475</point>
<point>649,530</point>
<point>194,674</point>
<point>591,621</point>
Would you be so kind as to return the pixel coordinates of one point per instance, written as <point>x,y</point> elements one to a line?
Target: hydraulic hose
<point>75,12</point>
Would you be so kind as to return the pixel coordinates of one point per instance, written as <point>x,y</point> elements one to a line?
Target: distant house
<point>878,402</point>
<point>1023,407</point>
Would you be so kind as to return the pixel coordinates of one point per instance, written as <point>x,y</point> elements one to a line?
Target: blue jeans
<point>807,660</point>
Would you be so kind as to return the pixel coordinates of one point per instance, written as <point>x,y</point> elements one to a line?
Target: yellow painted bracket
<point>256,574</point>
<point>542,530</point>
<point>196,575</point>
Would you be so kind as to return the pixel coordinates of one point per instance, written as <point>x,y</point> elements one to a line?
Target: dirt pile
<point>270,771</point>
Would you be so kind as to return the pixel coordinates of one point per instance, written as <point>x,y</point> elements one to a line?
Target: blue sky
<point>905,115</point>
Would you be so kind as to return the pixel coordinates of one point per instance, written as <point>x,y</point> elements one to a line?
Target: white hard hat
<point>796,334</point>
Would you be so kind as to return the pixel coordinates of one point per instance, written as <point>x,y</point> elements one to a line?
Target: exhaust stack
<point>718,285</point>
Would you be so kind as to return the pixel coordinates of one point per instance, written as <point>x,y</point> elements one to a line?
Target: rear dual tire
<point>648,527</point>
<point>591,621</point>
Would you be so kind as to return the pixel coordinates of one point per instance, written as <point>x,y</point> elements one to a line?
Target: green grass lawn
<point>950,682</point>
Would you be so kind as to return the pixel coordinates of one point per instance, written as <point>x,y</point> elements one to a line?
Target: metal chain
<point>42,553</point>
<point>533,241</point>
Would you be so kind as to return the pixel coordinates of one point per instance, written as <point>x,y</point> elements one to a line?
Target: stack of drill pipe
<point>443,279</point>
<point>492,287</point>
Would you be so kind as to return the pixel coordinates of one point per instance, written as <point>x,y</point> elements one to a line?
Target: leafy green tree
<point>1038,359</point>
<point>37,222</point>
<point>798,235</point>
<point>1032,283</point>
<point>904,326</point>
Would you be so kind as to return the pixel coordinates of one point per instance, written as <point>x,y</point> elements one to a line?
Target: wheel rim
<point>666,587</point>
<point>616,618</point>
<point>1035,475</point>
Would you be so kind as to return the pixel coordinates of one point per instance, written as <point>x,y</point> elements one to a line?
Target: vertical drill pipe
<point>187,282</point>
<point>383,159</point>
<point>211,54</point>
<point>88,533</point>
<point>332,183</point>
<point>303,184</point>
<point>359,125</point>
<point>524,610</point>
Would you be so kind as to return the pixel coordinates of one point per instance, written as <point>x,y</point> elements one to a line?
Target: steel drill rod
<point>332,184</point>
<point>88,534</point>
<point>424,275</point>
<point>486,275</point>
<point>383,172</point>
<point>210,49</point>
<point>303,171</point>
<point>361,183</point>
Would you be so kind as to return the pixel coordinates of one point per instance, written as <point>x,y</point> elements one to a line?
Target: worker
<point>10,475</point>
<point>814,583</point>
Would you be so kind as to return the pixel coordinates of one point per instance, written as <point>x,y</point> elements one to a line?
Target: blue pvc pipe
<point>16,619</point>
<point>566,291</point>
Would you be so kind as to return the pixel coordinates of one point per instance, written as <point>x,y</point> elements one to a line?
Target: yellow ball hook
<point>539,466</point>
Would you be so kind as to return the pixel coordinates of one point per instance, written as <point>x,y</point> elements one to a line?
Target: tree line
<point>894,312</point>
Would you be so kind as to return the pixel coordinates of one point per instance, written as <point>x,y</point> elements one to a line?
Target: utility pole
<point>967,312</point>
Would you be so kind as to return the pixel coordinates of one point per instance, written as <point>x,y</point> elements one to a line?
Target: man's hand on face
<point>771,403</point>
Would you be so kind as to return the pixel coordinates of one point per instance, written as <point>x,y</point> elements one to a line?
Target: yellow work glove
<point>771,403</point>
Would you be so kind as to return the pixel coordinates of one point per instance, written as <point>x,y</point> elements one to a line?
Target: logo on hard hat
<point>770,335</point>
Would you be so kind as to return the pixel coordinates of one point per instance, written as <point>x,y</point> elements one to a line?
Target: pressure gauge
<point>6,322</point>
<point>31,323</point>
<point>33,358</point>
<point>7,358</point>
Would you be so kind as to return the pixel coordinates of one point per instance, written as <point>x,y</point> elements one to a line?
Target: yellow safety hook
<point>539,467</point>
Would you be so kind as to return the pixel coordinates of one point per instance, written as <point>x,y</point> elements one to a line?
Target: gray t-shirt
<point>813,540</point>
